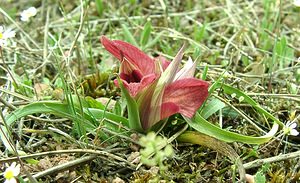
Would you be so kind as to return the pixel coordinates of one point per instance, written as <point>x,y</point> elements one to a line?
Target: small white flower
<point>241,98</point>
<point>297,3</point>
<point>11,172</point>
<point>27,14</point>
<point>5,35</point>
<point>226,74</point>
<point>233,95</point>
<point>290,129</point>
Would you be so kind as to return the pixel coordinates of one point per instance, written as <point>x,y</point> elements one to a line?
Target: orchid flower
<point>159,88</point>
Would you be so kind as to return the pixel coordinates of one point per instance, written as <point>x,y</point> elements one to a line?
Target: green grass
<point>247,50</point>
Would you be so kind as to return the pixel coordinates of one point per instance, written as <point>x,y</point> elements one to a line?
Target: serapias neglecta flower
<point>159,87</point>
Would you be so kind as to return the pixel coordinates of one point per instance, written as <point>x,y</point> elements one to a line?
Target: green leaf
<point>230,90</point>
<point>260,177</point>
<point>203,126</point>
<point>146,33</point>
<point>212,107</point>
<point>91,115</point>
<point>260,174</point>
<point>128,35</point>
<point>99,7</point>
<point>205,70</point>
<point>132,2</point>
<point>153,41</point>
<point>133,110</point>
<point>199,32</point>
<point>118,109</point>
<point>92,103</point>
<point>32,161</point>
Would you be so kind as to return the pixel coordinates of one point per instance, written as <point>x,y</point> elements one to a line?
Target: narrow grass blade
<point>212,107</point>
<point>146,34</point>
<point>205,70</point>
<point>99,7</point>
<point>60,109</point>
<point>128,35</point>
<point>153,41</point>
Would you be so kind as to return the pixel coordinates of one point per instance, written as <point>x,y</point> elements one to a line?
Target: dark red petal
<point>134,88</point>
<point>134,55</point>
<point>186,94</point>
<point>130,72</point>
